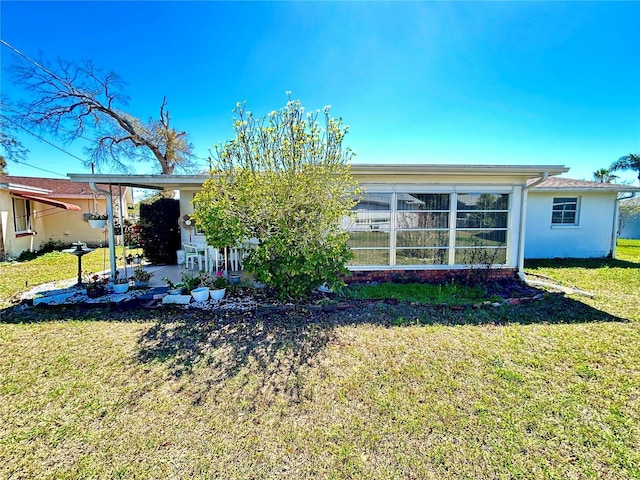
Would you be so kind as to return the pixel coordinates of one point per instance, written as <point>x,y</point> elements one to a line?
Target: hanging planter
<point>97,220</point>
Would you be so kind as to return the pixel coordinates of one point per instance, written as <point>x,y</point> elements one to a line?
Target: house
<point>630,218</point>
<point>429,220</point>
<point>36,210</point>
<point>569,218</point>
<point>415,220</point>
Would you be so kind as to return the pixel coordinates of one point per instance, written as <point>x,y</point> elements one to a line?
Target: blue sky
<point>417,82</point>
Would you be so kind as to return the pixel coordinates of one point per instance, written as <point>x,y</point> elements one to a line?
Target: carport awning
<point>49,201</point>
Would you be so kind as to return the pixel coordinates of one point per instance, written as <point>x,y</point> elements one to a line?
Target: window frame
<point>505,249</point>
<point>28,217</point>
<point>576,212</point>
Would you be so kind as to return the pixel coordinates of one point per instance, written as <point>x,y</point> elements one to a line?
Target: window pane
<point>481,256</point>
<point>482,220</point>
<point>422,239</point>
<point>481,238</point>
<point>367,221</point>
<point>370,257</point>
<point>407,220</point>
<point>564,210</point>
<point>483,201</point>
<point>422,256</point>
<point>21,217</point>
<point>369,239</point>
<point>374,201</point>
<point>423,201</point>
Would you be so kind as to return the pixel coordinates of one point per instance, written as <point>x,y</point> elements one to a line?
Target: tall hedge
<point>160,233</point>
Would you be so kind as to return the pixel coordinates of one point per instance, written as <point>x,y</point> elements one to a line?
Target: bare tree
<point>76,100</point>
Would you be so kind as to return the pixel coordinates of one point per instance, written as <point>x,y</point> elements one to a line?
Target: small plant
<point>97,216</point>
<point>141,275</point>
<point>190,282</point>
<point>93,281</point>
<point>170,285</point>
<point>120,279</point>
<point>216,281</point>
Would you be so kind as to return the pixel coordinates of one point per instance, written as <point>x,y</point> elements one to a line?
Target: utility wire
<point>43,139</point>
<point>31,61</point>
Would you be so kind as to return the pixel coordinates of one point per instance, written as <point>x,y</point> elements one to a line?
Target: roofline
<point>622,188</point>
<point>531,171</point>
<point>23,188</point>
<point>177,181</point>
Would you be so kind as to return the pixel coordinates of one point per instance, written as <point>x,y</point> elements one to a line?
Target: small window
<point>565,211</point>
<point>21,215</point>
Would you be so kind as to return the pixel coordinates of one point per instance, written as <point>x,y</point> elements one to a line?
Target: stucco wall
<point>592,237</point>
<point>50,223</point>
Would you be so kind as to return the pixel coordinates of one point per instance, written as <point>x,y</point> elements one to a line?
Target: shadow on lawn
<point>266,355</point>
<point>589,263</point>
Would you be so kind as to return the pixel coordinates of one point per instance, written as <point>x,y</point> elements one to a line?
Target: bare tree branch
<point>72,100</point>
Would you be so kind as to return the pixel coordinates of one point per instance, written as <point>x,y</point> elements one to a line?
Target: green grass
<point>450,294</point>
<point>616,283</point>
<point>17,277</point>
<point>546,390</point>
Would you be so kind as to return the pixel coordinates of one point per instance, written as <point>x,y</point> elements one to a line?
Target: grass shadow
<point>589,263</point>
<point>267,355</point>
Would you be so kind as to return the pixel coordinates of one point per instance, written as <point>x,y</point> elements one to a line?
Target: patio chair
<point>191,256</point>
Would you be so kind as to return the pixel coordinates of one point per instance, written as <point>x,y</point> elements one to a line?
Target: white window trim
<point>394,190</point>
<point>576,223</point>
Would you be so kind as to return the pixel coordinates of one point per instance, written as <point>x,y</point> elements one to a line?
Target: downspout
<point>616,224</point>
<point>523,220</point>
<point>111,235</point>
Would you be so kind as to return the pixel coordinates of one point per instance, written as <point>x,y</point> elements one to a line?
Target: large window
<point>565,211</point>
<point>21,215</point>
<point>481,228</point>
<point>430,228</point>
<point>422,228</point>
<point>370,230</point>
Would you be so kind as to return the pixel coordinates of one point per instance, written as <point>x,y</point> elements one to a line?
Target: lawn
<point>549,389</point>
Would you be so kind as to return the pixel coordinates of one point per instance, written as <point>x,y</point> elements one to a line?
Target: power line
<point>38,168</point>
<point>43,139</point>
<point>31,61</point>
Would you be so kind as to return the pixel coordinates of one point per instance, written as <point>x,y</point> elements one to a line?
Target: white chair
<point>192,256</point>
<point>212,258</point>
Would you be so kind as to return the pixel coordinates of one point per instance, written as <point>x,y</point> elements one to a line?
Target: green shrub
<point>160,234</point>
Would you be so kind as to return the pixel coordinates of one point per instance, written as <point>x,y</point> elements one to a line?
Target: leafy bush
<point>284,182</point>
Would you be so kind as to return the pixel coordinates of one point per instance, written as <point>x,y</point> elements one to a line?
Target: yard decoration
<point>284,181</point>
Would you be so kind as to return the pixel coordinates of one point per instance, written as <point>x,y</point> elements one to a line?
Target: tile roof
<point>560,183</point>
<point>60,188</point>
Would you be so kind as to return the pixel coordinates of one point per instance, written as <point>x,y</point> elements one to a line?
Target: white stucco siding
<point>590,237</point>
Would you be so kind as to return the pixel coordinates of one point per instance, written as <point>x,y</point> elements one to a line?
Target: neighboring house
<point>414,220</point>
<point>572,218</point>
<point>36,210</point>
<point>630,218</point>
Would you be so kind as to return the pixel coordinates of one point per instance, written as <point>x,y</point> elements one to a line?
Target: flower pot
<point>97,223</point>
<point>120,287</point>
<point>234,278</point>
<point>217,293</point>
<point>141,283</point>
<point>95,292</point>
<point>200,294</point>
<point>174,291</point>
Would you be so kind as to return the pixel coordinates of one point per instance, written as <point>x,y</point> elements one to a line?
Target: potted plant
<point>97,220</point>
<point>217,286</point>
<point>192,284</point>
<point>120,284</point>
<point>141,277</point>
<point>94,284</point>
